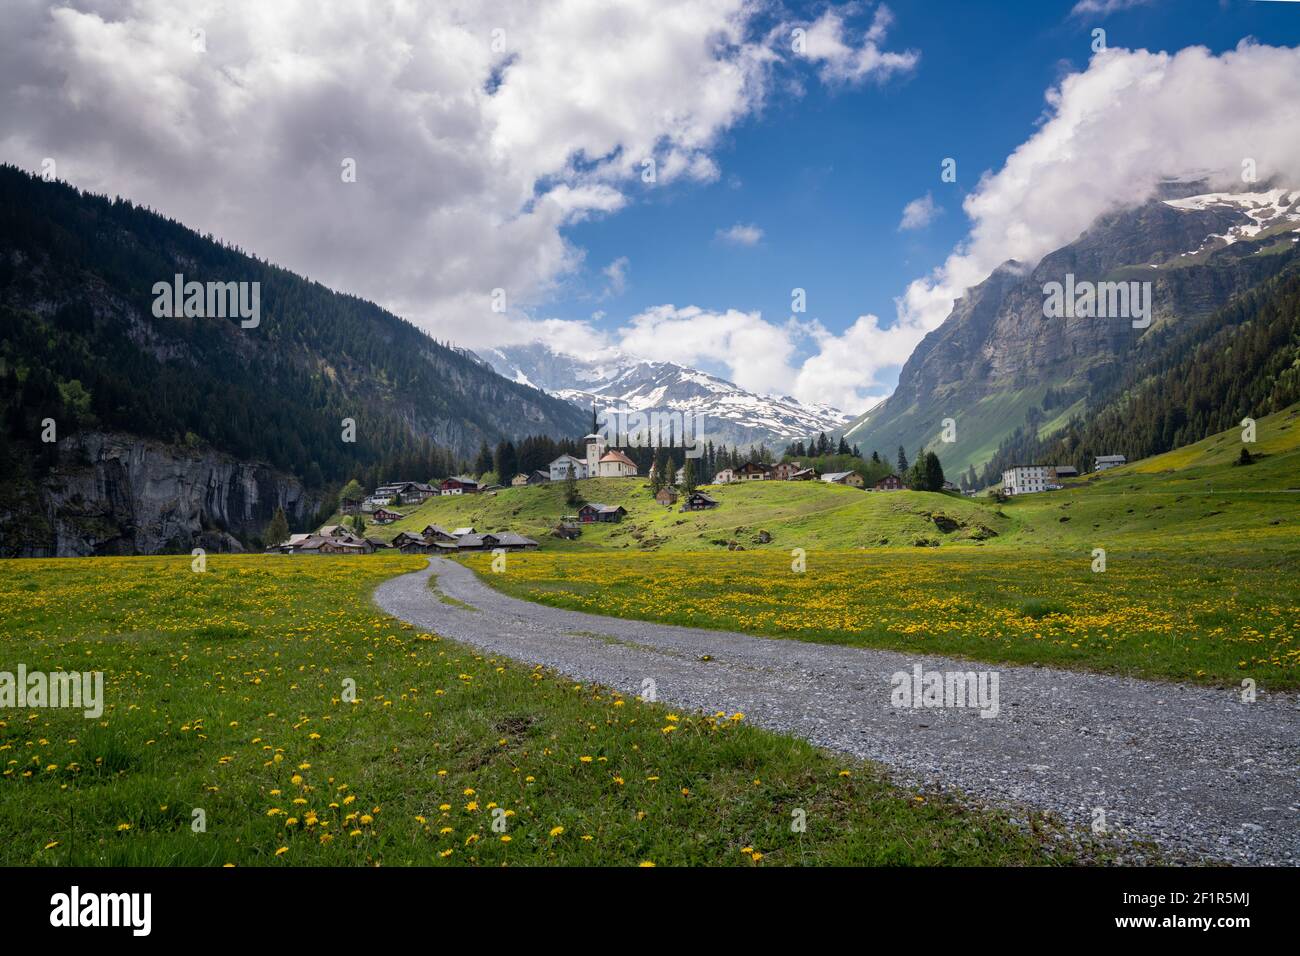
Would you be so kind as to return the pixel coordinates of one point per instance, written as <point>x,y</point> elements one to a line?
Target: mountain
<point>172,428</point>
<point>997,363</point>
<point>730,414</point>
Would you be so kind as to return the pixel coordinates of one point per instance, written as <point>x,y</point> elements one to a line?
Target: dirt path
<point>1194,769</point>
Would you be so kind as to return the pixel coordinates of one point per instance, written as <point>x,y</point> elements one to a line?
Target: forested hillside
<point>81,345</point>
<point>1195,381</point>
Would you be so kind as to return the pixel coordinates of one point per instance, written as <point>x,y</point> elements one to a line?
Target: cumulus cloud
<point>829,44</point>
<point>477,132</point>
<point>741,235</point>
<point>919,213</point>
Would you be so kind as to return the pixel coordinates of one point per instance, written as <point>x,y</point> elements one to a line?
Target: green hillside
<point>794,513</point>
<point>1198,493</point>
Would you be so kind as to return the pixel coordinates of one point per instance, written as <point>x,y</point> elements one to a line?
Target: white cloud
<point>840,60</point>
<point>919,213</point>
<point>1106,7</point>
<point>1111,133</point>
<point>616,274</point>
<point>741,235</point>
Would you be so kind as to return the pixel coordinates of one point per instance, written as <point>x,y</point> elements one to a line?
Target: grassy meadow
<point>1201,577</point>
<point>226,692</point>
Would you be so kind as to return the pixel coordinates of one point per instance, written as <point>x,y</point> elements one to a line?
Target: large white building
<point>562,466</point>
<point>1027,479</point>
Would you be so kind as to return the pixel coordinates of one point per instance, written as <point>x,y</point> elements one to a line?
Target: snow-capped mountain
<point>1249,215</point>
<point>729,414</point>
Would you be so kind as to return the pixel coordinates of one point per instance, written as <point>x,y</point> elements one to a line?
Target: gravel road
<point>1195,770</point>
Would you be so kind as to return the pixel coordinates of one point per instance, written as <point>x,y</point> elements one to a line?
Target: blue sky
<point>826,175</point>
<point>497,147</point>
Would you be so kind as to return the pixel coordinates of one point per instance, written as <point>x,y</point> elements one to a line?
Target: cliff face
<point>113,494</point>
<point>995,358</point>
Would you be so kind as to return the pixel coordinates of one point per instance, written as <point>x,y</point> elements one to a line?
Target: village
<point>680,491</point>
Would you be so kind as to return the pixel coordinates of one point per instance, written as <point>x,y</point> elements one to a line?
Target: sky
<point>656,177</point>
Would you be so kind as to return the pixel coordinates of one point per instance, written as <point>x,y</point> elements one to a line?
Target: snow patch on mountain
<point>730,414</point>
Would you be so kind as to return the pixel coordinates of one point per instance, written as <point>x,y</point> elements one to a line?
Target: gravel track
<point>1193,769</point>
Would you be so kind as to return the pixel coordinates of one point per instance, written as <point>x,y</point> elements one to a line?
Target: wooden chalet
<point>666,497</point>
<point>698,501</point>
<point>384,516</point>
<point>888,483</point>
<point>594,511</point>
<point>458,485</point>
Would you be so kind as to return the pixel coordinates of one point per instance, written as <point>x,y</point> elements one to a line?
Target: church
<point>605,462</point>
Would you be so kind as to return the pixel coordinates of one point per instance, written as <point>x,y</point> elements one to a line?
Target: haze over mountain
<point>612,379</point>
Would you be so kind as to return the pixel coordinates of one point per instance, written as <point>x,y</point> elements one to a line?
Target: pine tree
<point>571,496</point>
<point>902,462</point>
<point>688,476</point>
<point>278,530</point>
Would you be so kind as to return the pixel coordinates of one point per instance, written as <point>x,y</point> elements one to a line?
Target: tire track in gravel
<point>1193,769</point>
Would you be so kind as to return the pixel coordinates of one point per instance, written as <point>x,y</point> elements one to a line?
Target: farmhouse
<point>1065,471</point>
<point>384,516</point>
<point>1025,479</point>
<point>515,542</point>
<point>477,542</point>
<point>786,470</point>
<point>752,471</point>
<point>888,483</point>
<point>408,491</point>
<point>518,481</point>
<point>458,485</point>
<point>567,465</point>
<point>593,511</point>
<point>436,532</point>
<point>666,497</point>
<point>698,501</point>
<point>1104,462</point>
<point>724,477</point>
<point>803,474</point>
<point>851,478</point>
<point>408,542</point>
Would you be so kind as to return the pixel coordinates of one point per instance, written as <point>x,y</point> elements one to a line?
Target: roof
<point>700,494</point>
<point>476,540</point>
<point>616,455</point>
<point>460,531</point>
<point>567,457</point>
<point>436,529</point>
<point>836,475</point>
<point>603,509</point>
<point>1110,458</point>
<point>463,479</point>
<point>509,537</point>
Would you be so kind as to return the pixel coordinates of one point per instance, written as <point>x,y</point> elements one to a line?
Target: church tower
<point>595,450</point>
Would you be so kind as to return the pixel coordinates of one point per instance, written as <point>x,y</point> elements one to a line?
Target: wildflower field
<point>229,736</point>
<point>1156,614</point>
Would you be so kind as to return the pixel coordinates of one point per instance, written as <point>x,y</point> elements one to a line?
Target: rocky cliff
<point>114,494</point>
